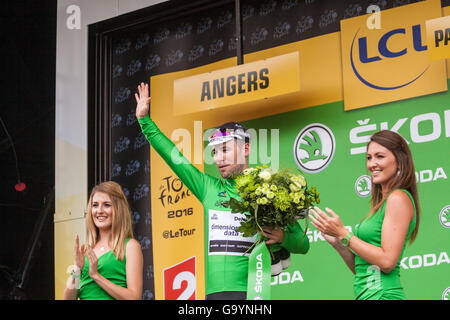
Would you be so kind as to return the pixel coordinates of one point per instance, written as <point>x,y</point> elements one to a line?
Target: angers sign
<point>247,83</point>
<point>244,82</point>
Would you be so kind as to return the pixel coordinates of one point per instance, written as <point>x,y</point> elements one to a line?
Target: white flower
<point>298,180</point>
<point>297,196</point>
<point>294,187</point>
<point>265,175</point>
<point>302,180</point>
<point>270,195</point>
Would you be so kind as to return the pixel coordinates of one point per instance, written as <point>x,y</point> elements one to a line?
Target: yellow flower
<point>243,181</point>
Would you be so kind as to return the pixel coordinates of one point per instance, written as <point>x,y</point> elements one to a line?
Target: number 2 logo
<point>180,281</point>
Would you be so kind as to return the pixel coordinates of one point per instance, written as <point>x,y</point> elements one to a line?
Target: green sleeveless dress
<point>370,282</point>
<point>109,267</point>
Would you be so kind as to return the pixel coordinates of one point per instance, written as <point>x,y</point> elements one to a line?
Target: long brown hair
<point>121,228</point>
<point>406,177</point>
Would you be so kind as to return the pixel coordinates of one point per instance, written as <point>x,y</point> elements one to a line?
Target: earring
<point>398,172</point>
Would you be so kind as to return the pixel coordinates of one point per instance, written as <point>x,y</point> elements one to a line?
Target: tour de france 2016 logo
<point>363,186</point>
<point>314,148</point>
<point>444,216</point>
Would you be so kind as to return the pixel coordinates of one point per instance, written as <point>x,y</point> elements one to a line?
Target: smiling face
<point>231,157</point>
<point>382,165</point>
<point>102,210</point>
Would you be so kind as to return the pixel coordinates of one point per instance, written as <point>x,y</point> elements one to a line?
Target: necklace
<point>102,249</point>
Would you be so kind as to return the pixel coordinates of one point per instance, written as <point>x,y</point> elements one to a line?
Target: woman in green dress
<point>110,265</point>
<point>373,253</point>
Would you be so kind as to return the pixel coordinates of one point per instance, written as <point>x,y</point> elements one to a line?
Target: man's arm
<point>193,178</point>
<point>295,239</point>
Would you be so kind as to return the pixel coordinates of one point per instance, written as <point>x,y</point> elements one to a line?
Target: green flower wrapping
<point>271,199</point>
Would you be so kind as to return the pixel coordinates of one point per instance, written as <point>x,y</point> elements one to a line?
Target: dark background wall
<point>27,108</point>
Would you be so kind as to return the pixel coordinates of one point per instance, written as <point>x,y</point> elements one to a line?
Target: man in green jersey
<point>226,265</point>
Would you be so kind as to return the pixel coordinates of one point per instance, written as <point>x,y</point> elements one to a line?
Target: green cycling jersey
<point>226,265</point>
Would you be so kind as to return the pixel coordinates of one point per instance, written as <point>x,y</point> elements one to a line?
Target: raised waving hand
<point>143,101</point>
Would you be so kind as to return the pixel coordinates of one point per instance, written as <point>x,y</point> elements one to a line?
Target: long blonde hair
<point>121,228</point>
<point>406,178</point>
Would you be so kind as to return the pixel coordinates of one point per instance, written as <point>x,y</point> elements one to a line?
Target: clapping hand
<point>79,253</point>
<point>93,260</point>
<point>331,226</point>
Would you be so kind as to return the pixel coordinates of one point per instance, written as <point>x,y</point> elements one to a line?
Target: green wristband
<point>346,241</point>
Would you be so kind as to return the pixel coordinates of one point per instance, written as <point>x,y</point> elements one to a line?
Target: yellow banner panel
<point>390,63</point>
<point>249,82</point>
<point>446,12</point>
<point>438,38</point>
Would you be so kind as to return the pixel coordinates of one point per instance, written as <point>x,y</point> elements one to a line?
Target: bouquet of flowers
<point>273,199</point>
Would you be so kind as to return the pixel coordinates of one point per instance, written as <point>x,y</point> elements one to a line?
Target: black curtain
<point>27,110</point>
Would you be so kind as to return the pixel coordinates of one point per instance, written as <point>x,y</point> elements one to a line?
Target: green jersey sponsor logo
<point>222,194</point>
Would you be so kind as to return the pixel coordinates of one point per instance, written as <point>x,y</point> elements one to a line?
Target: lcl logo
<point>390,62</point>
<point>385,52</point>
